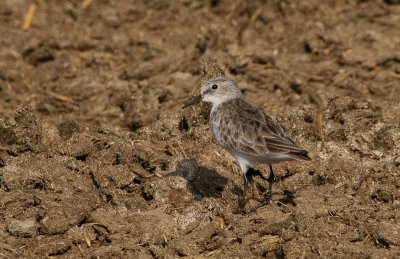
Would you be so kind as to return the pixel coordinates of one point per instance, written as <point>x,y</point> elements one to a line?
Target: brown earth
<point>98,160</point>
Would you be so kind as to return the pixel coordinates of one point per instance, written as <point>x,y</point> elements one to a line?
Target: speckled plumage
<point>246,132</point>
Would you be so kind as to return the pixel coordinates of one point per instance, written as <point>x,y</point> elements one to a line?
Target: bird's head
<point>216,90</point>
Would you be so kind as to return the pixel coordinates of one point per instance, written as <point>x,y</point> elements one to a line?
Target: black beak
<point>195,100</point>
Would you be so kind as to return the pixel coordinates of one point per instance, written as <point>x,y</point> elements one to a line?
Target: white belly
<point>216,131</point>
<point>269,158</point>
<point>215,121</point>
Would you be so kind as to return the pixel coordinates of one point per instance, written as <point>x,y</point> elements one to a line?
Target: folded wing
<point>255,133</point>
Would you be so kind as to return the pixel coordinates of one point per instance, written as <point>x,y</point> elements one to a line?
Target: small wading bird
<point>246,132</point>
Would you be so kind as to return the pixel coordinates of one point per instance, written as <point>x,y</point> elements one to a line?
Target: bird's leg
<point>242,200</point>
<point>246,185</point>
<point>250,174</point>
<point>244,169</point>
<point>271,180</point>
<point>256,194</point>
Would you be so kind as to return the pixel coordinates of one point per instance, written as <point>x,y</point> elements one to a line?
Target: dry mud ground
<point>97,159</point>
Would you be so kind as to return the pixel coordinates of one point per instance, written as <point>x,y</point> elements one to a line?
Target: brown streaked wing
<point>276,139</point>
<point>241,137</point>
<point>249,130</point>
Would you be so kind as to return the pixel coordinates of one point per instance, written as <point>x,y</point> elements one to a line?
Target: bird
<point>245,131</point>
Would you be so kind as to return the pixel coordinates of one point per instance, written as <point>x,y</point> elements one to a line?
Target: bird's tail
<point>300,155</point>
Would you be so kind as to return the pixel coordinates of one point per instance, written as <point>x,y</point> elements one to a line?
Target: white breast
<point>214,124</point>
<point>215,130</point>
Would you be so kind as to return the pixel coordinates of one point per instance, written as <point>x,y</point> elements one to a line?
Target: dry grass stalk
<point>29,16</point>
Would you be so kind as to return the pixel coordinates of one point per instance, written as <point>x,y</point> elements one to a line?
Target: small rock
<point>22,228</point>
<point>111,18</point>
<point>59,248</point>
<point>390,233</point>
<point>67,128</point>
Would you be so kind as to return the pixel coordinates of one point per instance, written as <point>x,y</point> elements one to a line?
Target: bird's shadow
<point>201,181</point>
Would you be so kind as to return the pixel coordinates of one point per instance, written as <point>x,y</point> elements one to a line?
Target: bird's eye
<point>214,86</point>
